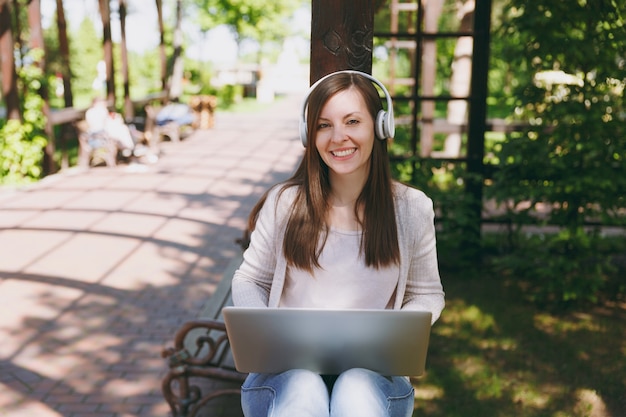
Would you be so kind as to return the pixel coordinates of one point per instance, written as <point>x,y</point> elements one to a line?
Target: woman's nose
<point>338,134</point>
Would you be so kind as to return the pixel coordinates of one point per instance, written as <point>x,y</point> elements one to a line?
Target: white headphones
<point>384,124</point>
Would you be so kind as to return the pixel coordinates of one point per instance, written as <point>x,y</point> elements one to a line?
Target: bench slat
<point>222,295</point>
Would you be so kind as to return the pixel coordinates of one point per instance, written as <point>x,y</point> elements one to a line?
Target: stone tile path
<point>98,268</point>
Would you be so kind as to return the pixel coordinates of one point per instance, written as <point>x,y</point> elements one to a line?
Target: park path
<point>98,268</point>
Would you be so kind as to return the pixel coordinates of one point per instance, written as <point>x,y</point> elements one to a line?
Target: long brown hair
<point>306,231</point>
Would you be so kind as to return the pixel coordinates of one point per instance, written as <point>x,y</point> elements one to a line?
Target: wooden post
<point>341,36</point>
<point>478,116</point>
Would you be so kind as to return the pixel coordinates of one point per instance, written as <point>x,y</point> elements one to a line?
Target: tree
<point>262,21</point>
<point>573,95</point>
<point>162,55</point>
<point>107,43</point>
<point>58,54</point>
<point>176,81</point>
<point>86,46</point>
<point>36,42</point>
<point>7,63</point>
<point>128,106</point>
<point>570,160</point>
<point>64,50</point>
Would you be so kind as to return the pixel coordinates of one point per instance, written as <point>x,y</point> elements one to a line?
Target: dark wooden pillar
<point>478,118</point>
<point>341,36</point>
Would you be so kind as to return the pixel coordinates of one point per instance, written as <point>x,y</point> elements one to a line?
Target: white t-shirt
<point>343,281</point>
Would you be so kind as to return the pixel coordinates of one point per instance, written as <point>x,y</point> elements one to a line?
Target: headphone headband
<point>384,123</point>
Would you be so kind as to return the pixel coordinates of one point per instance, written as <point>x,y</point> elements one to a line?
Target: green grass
<point>493,354</point>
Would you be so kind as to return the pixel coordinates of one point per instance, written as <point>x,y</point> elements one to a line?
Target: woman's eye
<point>353,121</point>
<point>322,126</point>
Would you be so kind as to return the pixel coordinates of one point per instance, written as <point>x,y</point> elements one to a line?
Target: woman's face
<point>345,134</point>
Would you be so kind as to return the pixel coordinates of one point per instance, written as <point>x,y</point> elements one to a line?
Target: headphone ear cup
<point>303,132</point>
<point>380,125</point>
<point>390,125</point>
<point>385,125</point>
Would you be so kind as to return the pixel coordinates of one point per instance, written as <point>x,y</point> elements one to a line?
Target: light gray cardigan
<point>260,278</point>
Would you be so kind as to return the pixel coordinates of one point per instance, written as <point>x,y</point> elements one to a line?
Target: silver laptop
<point>272,340</point>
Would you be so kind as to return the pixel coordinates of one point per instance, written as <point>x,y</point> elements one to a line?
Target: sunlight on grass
<point>478,376</point>
<point>462,321</point>
<point>499,357</point>
<point>460,316</point>
<point>530,395</point>
<point>589,403</point>
<point>559,325</point>
<point>428,392</point>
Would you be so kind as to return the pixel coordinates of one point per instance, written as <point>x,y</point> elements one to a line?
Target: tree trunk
<point>36,42</point>
<point>107,43</point>
<point>64,49</point>
<point>68,98</point>
<point>341,36</point>
<point>159,6</point>
<point>17,21</point>
<point>128,105</point>
<point>7,64</point>
<point>176,84</point>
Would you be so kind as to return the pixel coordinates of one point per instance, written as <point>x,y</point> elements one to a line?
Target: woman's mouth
<point>342,153</point>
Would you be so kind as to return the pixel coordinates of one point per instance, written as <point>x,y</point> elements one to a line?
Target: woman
<point>340,233</point>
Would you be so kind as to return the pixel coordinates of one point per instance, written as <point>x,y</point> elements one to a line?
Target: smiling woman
<point>333,230</point>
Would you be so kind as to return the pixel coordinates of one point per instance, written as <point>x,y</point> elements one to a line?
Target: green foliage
<point>86,52</point>
<point>21,152</point>
<point>229,95</point>
<point>199,74</point>
<point>458,230</point>
<point>559,270</point>
<point>144,73</point>
<point>263,21</point>
<point>567,167</point>
<point>22,142</point>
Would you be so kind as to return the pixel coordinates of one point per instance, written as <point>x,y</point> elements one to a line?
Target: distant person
<point>102,121</point>
<point>179,113</point>
<point>339,234</point>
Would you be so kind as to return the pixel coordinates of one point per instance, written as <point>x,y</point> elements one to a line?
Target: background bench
<point>94,148</point>
<point>201,350</point>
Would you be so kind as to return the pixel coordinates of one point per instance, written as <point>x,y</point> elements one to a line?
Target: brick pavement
<point>98,268</point>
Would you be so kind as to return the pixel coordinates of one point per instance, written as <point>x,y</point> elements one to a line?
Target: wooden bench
<point>94,148</point>
<point>171,130</point>
<point>201,350</point>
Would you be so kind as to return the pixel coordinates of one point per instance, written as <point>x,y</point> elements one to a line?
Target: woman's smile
<point>343,153</point>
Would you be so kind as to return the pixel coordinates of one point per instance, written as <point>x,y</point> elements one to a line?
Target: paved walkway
<point>99,268</point>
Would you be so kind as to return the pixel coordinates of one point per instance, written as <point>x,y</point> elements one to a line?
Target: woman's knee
<point>282,394</point>
<point>366,393</point>
<point>360,380</point>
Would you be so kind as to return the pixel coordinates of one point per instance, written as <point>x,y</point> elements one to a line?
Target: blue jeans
<point>302,393</point>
